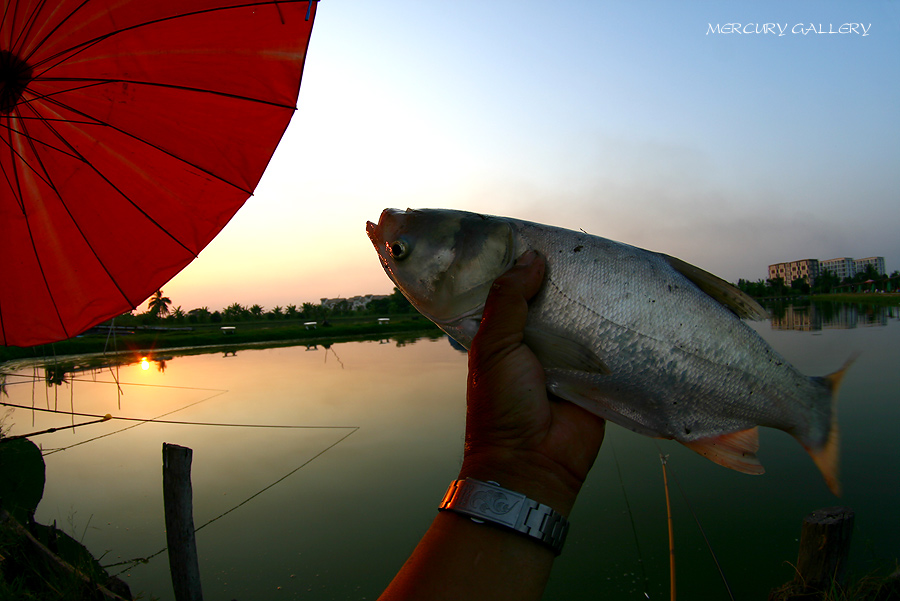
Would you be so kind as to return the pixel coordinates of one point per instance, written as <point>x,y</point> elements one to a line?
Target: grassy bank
<point>859,298</point>
<point>885,299</point>
<point>146,340</point>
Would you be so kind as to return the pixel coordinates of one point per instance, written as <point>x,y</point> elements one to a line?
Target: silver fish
<point>639,338</point>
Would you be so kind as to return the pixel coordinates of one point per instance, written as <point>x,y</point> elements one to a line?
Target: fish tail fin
<point>735,450</point>
<point>826,456</point>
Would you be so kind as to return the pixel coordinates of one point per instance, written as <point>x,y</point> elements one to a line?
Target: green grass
<point>879,585</point>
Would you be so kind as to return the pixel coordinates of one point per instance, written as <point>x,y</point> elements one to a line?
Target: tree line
<point>827,282</point>
<point>160,309</point>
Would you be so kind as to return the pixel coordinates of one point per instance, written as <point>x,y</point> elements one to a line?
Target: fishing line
<point>72,402</point>
<point>185,423</point>
<point>700,527</point>
<point>34,378</point>
<point>115,376</point>
<point>289,474</point>
<point>134,562</point>
<point>149,385</point>
<point>33,384</point>
<point>57,450</point>
<point>631,518</point>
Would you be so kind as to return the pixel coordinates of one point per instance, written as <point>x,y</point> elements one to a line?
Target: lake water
<point>370,436</point>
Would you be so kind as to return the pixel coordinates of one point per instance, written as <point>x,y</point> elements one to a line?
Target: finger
<point>506,308</point>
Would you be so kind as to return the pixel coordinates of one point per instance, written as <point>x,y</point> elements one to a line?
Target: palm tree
<point>291,312</point>
<point>159,304</point>
<point>234,312</point>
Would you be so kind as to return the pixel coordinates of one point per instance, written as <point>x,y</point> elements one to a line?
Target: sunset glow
<point>658,127</point>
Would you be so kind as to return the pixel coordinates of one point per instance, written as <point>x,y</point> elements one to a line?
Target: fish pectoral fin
<point>555,350</point>
<point>726,294</point>
<point>593,393</point>
<point>735,450</point>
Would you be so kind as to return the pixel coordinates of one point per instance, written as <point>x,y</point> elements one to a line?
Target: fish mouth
<point>375,232</point>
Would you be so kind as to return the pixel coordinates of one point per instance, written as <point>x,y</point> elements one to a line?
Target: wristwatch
<point>489,502</point>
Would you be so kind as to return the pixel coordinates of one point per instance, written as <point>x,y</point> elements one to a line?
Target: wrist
<point>487,502</point>
<point>527,472</point>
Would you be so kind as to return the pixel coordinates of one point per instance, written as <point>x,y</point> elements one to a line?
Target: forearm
<point>460,559</point>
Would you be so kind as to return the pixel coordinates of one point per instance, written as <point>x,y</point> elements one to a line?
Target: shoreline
<point>206,338</point>
<point>209,337</point>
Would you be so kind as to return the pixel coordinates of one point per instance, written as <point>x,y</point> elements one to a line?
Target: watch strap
<point>489,502</point>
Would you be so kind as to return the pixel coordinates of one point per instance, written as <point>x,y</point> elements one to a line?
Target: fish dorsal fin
<point>738,302</point>
<point>735,450</point>
<point>555,350</point>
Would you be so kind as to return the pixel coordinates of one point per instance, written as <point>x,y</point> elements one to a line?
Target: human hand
<point>517,434</point>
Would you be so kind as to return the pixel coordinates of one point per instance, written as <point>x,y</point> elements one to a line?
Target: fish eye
<point>399,249</point>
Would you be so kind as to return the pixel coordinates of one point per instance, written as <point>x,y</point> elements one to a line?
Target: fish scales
<point>735,362</point>
<point>637,337</point>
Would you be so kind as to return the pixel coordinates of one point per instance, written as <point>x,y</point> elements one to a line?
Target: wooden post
<point>824,548</point>
<point>822,561</point>
<point>182,546</point>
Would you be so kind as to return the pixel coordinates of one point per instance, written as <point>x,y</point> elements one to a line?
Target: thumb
<point>506,308</point>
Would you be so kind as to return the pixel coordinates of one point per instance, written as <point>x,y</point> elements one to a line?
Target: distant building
<point>353,303</point>
<point>847,267</point>
<point>876,262</point>
<point>795,270</point>
<point>842,267</point>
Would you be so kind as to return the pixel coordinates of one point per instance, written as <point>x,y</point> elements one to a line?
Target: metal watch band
<point>489,502</point>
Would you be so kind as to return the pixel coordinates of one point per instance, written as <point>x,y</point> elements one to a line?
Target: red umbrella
<point>131,131</point>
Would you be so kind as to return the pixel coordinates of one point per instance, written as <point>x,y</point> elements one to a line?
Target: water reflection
<point>813,317</point>
<point>59,371</point>
<point>311,532</point>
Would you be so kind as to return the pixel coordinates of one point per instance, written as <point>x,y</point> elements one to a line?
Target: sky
<point>659,124</point>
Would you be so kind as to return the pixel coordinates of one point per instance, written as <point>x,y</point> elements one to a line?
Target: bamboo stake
<point>105,418</point>
<point>663,459</point>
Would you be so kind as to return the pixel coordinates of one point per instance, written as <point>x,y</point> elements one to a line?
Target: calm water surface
<point>330,507</point>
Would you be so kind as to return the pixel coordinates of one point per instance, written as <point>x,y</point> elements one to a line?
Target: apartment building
<point>795,270</point>
<point>842,267</point>
<point>876,262</point>
<point>847,267</point>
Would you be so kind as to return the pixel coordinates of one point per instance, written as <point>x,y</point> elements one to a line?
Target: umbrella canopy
<point>131,131</point>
